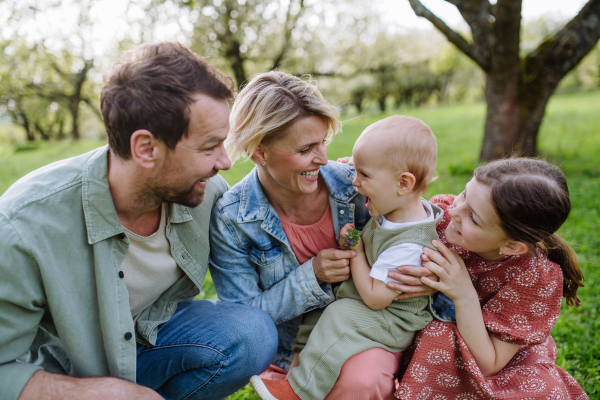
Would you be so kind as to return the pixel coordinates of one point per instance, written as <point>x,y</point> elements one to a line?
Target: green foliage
<point>350,239</point>
<point>569,138</point>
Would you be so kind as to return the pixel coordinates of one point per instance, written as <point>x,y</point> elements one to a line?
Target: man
<point>101,254</point>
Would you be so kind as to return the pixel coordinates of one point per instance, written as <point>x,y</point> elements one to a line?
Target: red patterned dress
<point>520,298</point>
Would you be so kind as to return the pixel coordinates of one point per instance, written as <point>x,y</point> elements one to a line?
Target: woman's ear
<point>406,183</point>
<point>514,248</point>
<point>145,148</point>
<point>260,154</point>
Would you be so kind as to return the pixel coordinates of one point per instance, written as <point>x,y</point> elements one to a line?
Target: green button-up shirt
<point>63,306</point>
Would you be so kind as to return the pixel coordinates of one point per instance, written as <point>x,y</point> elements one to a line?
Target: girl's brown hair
<point>532,201</point>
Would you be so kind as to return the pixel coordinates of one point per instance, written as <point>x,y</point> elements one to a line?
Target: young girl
<point>506,271</point>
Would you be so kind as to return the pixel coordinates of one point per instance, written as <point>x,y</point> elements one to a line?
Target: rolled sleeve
<point>13,378</point>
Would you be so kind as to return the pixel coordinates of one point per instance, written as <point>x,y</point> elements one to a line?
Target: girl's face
<point>293,162</point>
<point>475,226</point>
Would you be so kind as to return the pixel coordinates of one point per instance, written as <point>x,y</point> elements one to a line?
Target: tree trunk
<point>381,102</point>
<point>74,108</point>
<point>514,116</point>
<point>517,89</point>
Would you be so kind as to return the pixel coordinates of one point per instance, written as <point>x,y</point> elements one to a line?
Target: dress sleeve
<point>526,308</point>
<point>443,201</point>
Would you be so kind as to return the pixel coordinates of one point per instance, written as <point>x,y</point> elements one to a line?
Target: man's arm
<point>44,385</point>
<point>22,305</point>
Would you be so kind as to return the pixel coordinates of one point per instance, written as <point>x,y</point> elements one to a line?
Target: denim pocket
<point>270,265</point>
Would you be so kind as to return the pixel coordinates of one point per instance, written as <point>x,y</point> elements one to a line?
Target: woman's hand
<point>411,285</point>
<point>332,265</point>
<point>454,279</point>
<point>346,160</point>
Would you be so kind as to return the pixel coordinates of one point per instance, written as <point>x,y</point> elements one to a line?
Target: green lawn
<point>570,138</point>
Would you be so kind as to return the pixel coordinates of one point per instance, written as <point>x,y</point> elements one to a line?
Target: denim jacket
<point>251,260</point>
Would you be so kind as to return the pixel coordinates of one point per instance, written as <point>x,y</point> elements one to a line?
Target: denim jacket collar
<point>101,218</point>
<point>254,205</point>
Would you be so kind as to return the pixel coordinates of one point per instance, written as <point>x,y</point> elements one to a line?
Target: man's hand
<point>332,265</point>
<point>44,385</point>
<point>411,282</point>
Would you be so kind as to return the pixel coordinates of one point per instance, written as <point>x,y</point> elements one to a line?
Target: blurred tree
<point>39,87</point>
<point>517,87</point>
<point>242,31</point>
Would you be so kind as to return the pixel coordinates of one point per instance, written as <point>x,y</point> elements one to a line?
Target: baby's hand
<point>350,239</point>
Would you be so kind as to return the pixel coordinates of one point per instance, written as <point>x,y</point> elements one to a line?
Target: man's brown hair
<point>151,87</point>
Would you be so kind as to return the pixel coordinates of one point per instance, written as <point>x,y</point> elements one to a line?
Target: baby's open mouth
<point>367,201</point>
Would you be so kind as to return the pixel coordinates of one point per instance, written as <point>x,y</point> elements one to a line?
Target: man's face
<point>198,156</point>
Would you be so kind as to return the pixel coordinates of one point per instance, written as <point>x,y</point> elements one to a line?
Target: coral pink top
<point>308,240</point>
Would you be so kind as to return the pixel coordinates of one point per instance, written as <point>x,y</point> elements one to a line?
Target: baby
<point>395,160</point>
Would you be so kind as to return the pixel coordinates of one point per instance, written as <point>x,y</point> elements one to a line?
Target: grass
<point>569,137</point>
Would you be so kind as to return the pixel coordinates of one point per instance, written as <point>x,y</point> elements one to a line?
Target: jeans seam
<point>205,383</point>
<point>183,345</point>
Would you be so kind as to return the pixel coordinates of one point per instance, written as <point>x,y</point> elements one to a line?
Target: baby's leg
<point>347,327</point>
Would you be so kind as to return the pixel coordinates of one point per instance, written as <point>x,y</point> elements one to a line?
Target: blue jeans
<point>207,350</point>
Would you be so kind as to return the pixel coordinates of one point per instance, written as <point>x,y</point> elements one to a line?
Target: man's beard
<point>191,197</point>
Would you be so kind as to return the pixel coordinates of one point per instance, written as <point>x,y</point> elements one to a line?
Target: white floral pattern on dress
<point>520,298</point>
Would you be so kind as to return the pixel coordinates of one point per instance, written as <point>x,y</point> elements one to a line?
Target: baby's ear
<point>406,183</point>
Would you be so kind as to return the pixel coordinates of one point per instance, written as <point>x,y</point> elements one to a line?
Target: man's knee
<point>256,339</point>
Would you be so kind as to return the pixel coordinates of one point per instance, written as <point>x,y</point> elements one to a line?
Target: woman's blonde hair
<point>268,105</point>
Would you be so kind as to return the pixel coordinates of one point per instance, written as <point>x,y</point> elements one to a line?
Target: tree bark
<point>517,89</point>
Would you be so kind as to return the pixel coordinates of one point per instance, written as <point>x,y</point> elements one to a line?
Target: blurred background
<point>367,56</point>
<point>452,66</point>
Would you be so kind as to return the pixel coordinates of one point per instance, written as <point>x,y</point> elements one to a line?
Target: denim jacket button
<point>342,212</point>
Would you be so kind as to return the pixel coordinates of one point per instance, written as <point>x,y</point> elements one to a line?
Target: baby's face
<point>374,180</point>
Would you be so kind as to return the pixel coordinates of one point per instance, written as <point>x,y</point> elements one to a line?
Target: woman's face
<point>475,226</point>
<point>293,161</point>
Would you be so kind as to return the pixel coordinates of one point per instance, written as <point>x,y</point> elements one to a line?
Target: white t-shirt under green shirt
<point>149,267</point>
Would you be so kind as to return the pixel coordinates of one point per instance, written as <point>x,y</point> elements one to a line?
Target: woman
<point>274,234</point>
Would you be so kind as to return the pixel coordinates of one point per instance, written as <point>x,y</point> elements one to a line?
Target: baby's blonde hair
<point>268,105</point>
<point>409,145</point>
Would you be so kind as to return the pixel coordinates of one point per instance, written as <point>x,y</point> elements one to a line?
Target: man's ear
<point>514,248</point>
<point>406,183</point>
<point>259,154</point>
<point>145,148</point>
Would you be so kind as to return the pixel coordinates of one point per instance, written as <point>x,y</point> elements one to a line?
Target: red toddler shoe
<point>267,389</point>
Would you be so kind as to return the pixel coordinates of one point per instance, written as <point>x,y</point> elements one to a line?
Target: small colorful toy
<point>351,239</point>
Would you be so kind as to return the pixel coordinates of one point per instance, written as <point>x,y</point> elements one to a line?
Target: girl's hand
<point>455,281</point>
<point>346,160</point>
<point>411,285</point>
<point>358,248</point>
<point>332,265</point>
